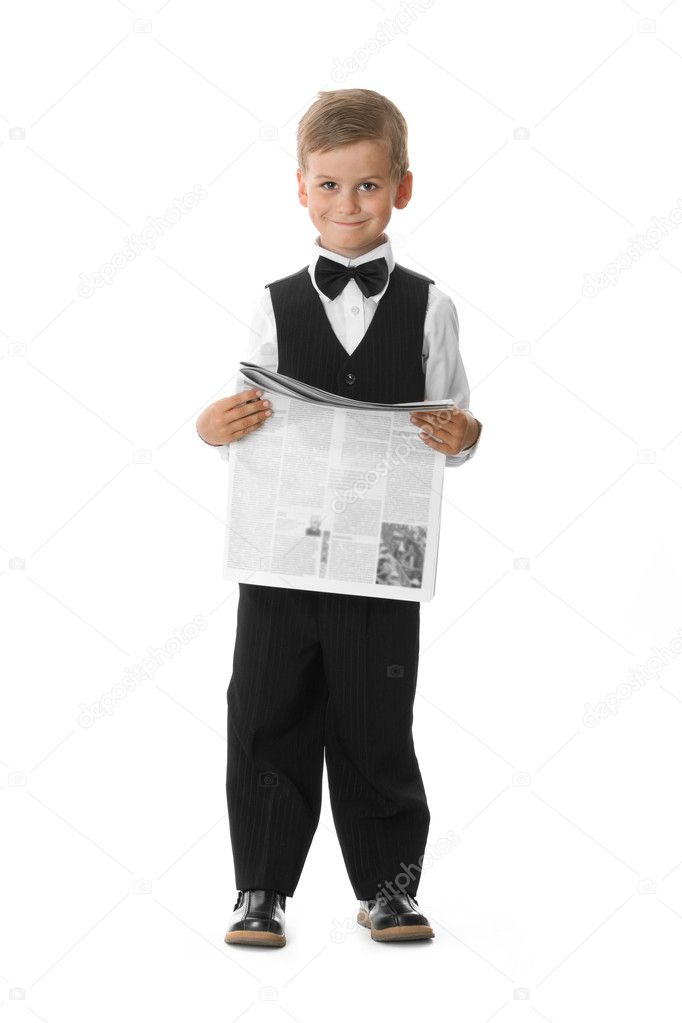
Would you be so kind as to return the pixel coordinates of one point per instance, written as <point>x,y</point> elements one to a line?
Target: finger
<point>446,431</point>
<point>247,430</point>
<point>245,411</point>
<point>422,418</point>
<point>427,424</point>
<point>243,397</point>
<point>433,417</point>
<point>432,439</point>
<point>433,444</point>
<point>249,423</point>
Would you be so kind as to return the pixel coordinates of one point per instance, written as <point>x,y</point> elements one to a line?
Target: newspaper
<point>333,494</point>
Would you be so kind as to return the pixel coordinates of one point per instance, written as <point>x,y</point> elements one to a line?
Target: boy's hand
<point>447,430</point>
<point>231,418</point>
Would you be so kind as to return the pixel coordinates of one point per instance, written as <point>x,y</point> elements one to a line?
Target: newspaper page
<point>336,499</point>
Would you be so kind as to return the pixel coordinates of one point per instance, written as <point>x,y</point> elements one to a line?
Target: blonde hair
<point>342,116</point>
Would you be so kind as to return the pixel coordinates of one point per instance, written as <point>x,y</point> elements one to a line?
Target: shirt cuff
<point>224,452</point>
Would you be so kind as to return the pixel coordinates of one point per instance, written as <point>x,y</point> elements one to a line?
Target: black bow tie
<point>332,277</point>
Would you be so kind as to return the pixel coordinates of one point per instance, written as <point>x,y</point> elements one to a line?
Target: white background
<point>558,895</point>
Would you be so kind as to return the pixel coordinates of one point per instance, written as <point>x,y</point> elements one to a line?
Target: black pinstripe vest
<point>386,366</point>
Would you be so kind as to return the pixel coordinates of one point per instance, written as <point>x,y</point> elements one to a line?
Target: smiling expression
<point>350,197</point>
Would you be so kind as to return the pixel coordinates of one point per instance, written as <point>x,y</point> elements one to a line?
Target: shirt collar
<point>385,250</point>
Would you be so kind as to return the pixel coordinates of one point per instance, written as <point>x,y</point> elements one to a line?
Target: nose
<point>347,202</point>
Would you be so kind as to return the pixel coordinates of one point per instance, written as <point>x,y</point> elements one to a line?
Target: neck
<point>353,253</point>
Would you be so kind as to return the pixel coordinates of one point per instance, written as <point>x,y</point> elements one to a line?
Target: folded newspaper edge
<point>289,387</point>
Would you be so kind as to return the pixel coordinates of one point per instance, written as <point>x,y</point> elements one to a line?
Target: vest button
<point>350,377</point>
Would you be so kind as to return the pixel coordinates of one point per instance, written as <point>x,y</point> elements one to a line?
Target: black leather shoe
<point>258,918</point>
<point>394,918</point>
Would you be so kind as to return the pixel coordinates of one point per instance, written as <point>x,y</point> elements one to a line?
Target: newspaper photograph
<point>343,498</point>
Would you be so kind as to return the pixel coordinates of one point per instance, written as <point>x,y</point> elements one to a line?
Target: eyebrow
<point>330,177</point>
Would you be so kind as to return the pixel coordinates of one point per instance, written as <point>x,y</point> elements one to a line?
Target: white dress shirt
<point>350,315</point>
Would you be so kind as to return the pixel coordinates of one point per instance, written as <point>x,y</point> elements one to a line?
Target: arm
<point>445,376</point>
<point>261,346</point>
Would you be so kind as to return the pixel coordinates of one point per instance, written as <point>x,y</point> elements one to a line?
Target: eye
<point>371,184</point>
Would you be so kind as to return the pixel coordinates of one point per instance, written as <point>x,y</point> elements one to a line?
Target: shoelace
<point>240,893</point>
<point>388,901</point>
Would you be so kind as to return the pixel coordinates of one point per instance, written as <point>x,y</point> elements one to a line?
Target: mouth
<point>352,223</point>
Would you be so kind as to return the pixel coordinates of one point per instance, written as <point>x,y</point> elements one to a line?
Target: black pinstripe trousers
<point>324,676</point>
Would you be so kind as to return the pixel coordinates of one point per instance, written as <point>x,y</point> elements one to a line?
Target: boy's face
<point>350,197</point>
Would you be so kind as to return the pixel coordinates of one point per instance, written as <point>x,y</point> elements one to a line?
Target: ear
<point>302,190</point>
<point>404,192</point>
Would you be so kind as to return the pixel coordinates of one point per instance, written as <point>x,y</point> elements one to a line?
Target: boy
<point>323,675</point>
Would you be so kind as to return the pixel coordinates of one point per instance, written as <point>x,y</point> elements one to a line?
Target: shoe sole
<point>268,938</point>
<point>405,933</point>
